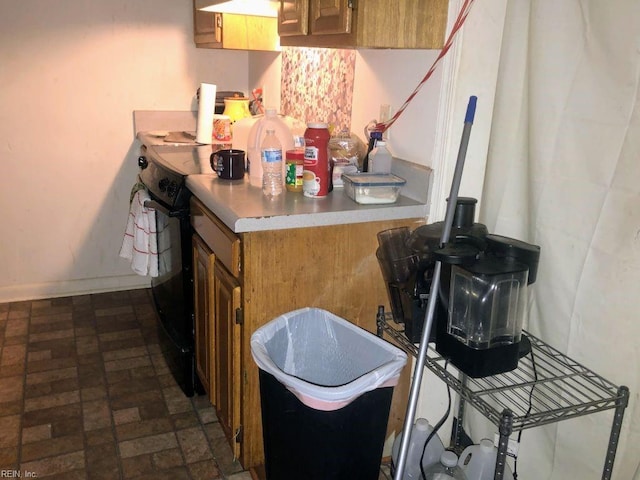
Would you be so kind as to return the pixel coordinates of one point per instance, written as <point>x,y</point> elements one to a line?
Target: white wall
<point>389,77</point>
<point>71,74</point>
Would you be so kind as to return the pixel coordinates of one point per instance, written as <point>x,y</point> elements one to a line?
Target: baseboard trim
<point>66,288</point>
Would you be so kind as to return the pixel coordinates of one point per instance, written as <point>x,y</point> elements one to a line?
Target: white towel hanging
<point>140,237</point>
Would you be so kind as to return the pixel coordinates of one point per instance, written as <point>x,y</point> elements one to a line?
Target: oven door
<point>173,294</point>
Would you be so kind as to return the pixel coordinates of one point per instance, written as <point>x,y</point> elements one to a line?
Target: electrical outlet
<point>385,114</point>
<point>512,446</point>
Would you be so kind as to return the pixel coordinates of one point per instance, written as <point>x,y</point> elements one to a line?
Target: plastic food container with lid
<point>372,188</point>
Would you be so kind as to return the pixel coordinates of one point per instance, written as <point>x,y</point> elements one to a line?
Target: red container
<point>315,175</point>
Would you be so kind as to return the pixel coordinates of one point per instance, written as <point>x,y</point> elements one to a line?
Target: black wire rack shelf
<point>558,388</point>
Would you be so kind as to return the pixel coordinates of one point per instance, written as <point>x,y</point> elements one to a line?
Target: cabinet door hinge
<point>351,3</point>
<point>238,435</point>
<point>239,316</point>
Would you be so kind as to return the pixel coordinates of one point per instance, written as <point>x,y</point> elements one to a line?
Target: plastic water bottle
<point>257,133</point>
<point>446,469</point>
<point>419,433</point>
<point>479,461</point>
<point>271,154</point>
<point>380,158</point>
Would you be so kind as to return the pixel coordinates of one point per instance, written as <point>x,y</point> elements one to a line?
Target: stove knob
<point>172,189</point>
<point>142,162</point>
<point>163,184</point>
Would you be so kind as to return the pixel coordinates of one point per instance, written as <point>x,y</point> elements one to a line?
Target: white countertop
<point>243,207</point>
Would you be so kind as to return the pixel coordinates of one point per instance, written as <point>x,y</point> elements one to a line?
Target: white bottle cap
<point>449,458</point>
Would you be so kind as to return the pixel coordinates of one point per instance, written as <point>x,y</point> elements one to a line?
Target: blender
<point>482,297</point>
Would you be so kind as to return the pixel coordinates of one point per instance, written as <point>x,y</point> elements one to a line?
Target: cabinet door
<point>203,261</point>
<point>293,17</point>
<point>207,28</point>
<point>331,17</point>
<point>228,337</point>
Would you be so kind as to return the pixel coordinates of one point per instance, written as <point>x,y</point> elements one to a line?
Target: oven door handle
<point>161,208</point>
<point>156,206</point>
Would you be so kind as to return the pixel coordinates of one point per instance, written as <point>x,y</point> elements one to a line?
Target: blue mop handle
<point>433,293</point>
<point>471,109</point>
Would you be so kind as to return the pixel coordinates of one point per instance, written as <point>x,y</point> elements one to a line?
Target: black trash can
<point>326,387</point>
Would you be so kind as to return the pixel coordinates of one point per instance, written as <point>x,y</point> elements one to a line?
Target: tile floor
<point>86,394</point>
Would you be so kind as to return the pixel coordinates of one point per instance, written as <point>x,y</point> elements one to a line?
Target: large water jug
<point>283,132</point>
<point>479,461</point>
<point>446,469</point>
<point>419,433</point>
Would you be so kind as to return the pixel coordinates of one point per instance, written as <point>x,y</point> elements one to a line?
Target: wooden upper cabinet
<point>207,29</point>
<point>234,32</point>
<point>330,17</point>
<point>293,18</point>
<point>363,23</point>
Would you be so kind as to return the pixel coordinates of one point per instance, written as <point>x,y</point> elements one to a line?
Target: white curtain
<point>563,172</point>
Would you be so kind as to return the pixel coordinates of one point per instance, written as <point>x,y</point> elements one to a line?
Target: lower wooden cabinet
<point>218,326</point>
<point>227,345</point>
<point>245,280</point>
<point>203,262</point>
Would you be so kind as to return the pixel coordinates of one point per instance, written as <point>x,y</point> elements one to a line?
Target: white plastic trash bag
<point>324,360</point>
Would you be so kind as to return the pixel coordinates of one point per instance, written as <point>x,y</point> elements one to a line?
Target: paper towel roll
<point>206,107</point>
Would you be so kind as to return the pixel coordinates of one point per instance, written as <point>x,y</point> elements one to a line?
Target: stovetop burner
<point>165,167</point>
<point>183,159</point>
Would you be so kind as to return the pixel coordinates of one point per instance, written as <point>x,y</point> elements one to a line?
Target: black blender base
<point>478,363</point>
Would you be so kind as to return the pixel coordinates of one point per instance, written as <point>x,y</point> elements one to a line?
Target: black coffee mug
<point>228,164</point>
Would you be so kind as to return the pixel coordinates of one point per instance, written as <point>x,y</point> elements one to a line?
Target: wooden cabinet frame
<point>363,23</point>
<point>277,271</point>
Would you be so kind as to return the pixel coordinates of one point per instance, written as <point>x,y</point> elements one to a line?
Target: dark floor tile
<point>150,410</point>
<point>58,370</point>
<point>167,459</point>
<point>69,426</point>
<point>52,344</point>
<point>10,408</point>
<point>36,433</point>
<point>11,370</point>
<point>102,462</point>
<point>51,364</point>
<point>137,466</point>
<point>129,431</point>
<point>9,431</point>
<point>85,394</point>
<point>49,415</point>
<point>9,457</point>
<point>71,475</point>
<point>46,388</point>
<point>96,414</point>
<point>184,420</point>
<point>90,359</point>
<point>99,436</point>
<point>194,445</point>
<point>106,323</point>
<point>130,338</point>
<point>206,470</point>
<point>179,473</point>
<point>50,318</point>
<point>11,388</point>
<point>52,447</point>
<point>63,465</point>
<point>93,392</point>
<point>131,387</point>
<point>132,394</point>
<point>13,355</point>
